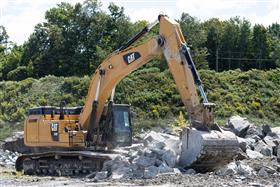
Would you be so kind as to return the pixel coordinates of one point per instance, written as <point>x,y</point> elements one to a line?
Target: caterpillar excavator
<point>78,140</point>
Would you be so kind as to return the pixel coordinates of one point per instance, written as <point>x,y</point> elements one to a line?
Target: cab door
<point>122,130</point>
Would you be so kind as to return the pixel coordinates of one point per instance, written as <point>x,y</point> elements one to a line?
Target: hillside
<point>153,95</point>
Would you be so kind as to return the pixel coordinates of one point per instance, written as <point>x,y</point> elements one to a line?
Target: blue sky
<point>20,16</point>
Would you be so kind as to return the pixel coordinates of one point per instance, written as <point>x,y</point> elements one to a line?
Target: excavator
<point>78,140</point>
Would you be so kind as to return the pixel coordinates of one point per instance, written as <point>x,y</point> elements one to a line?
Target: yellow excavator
<point>75,140</point>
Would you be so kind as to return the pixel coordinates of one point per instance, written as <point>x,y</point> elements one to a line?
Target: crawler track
<point>70,163</point>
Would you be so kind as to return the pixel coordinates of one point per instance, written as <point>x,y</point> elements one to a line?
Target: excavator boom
<point>171,43</point>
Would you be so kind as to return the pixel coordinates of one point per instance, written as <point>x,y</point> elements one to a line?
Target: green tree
<point>195,37</point>
<point>229,40</point>
<point>10,61</point>
<point>75,38</point>
<point>3,39</point>
<point>259,47</point>
<point>244,43</point>
<point>274,30</point>
<point>214,29</point>
<point>275,53</point>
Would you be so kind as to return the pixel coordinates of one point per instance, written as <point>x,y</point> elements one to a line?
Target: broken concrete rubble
<point>146,160</point>
<point>263,148</point>
<point>122,172</point>
<point>266,129</point>
<point>253,154</point>
<point>239,125</point>
<point>8,158</point>
<point>254,131</point>
<point>242,143</point>
<point>262,173</point>
<point>170,158</point>
<point>236,167</point>
<point>275,130</point>
<point>164,168</point>
<point>101,175</point>
<point>157,153</point>
<point>150,172</point>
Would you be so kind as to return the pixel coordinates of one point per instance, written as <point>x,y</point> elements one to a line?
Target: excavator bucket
<point>207,150</point>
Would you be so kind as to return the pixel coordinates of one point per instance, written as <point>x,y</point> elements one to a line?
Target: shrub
<point>18,74</point>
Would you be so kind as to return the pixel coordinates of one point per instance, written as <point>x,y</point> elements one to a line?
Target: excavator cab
<point>121,123</point>
<point>116,125</point>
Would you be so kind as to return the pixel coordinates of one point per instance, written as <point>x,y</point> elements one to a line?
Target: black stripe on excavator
<point>92,120</point>
<point>191,64</point>
<point>195,74</point>
<point>134,39</point>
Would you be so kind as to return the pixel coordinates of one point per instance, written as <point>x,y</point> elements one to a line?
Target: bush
<point>152,94</point>
<point>18,74</point>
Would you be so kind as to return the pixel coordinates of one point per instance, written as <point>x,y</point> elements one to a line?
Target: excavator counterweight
<point>78,140</point>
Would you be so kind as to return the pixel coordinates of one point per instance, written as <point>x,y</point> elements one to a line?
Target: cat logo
<point>131,57</point>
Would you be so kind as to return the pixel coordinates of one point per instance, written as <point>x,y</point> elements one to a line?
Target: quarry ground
<point>8,177</point>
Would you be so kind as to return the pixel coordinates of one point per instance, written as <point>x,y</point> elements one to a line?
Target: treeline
<point>75,39</point>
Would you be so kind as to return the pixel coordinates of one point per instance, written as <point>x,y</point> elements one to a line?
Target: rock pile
<point>259,146</point>
<point>15,143</point>
<point>156,153</point>
<point>8,158</point>
<point>255,141</point>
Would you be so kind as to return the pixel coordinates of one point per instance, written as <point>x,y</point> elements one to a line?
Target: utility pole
<point>217,59</point>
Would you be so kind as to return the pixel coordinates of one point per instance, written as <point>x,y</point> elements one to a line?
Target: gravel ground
<point>10,178</point>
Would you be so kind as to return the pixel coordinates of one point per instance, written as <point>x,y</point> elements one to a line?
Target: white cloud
<point>257,11</point>
<point>20,16</point>
<point>149,14</point>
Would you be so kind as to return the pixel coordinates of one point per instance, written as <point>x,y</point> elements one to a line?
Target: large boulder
<point>8,158</point>
<point>150,172</point>
<point>266,129</point>
<point>172,143</point>
<point>272,142</point>
<point>236,167</point>
<point>154,140</point>
<point>253,131</point>
<point>101,175</point>
<point>253,154</point>
<point>170,158</point>
<point>263,148</point>
<point>144,161</point>
<point>122,172</point>
<point>164,168</point>
<point>250,143</point>
<point>239,125</point>
<point>114,164</point>
<point>276,130</point>
<point>242,144</point>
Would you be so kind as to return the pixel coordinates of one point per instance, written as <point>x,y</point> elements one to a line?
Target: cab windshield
<point>121,121</point>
